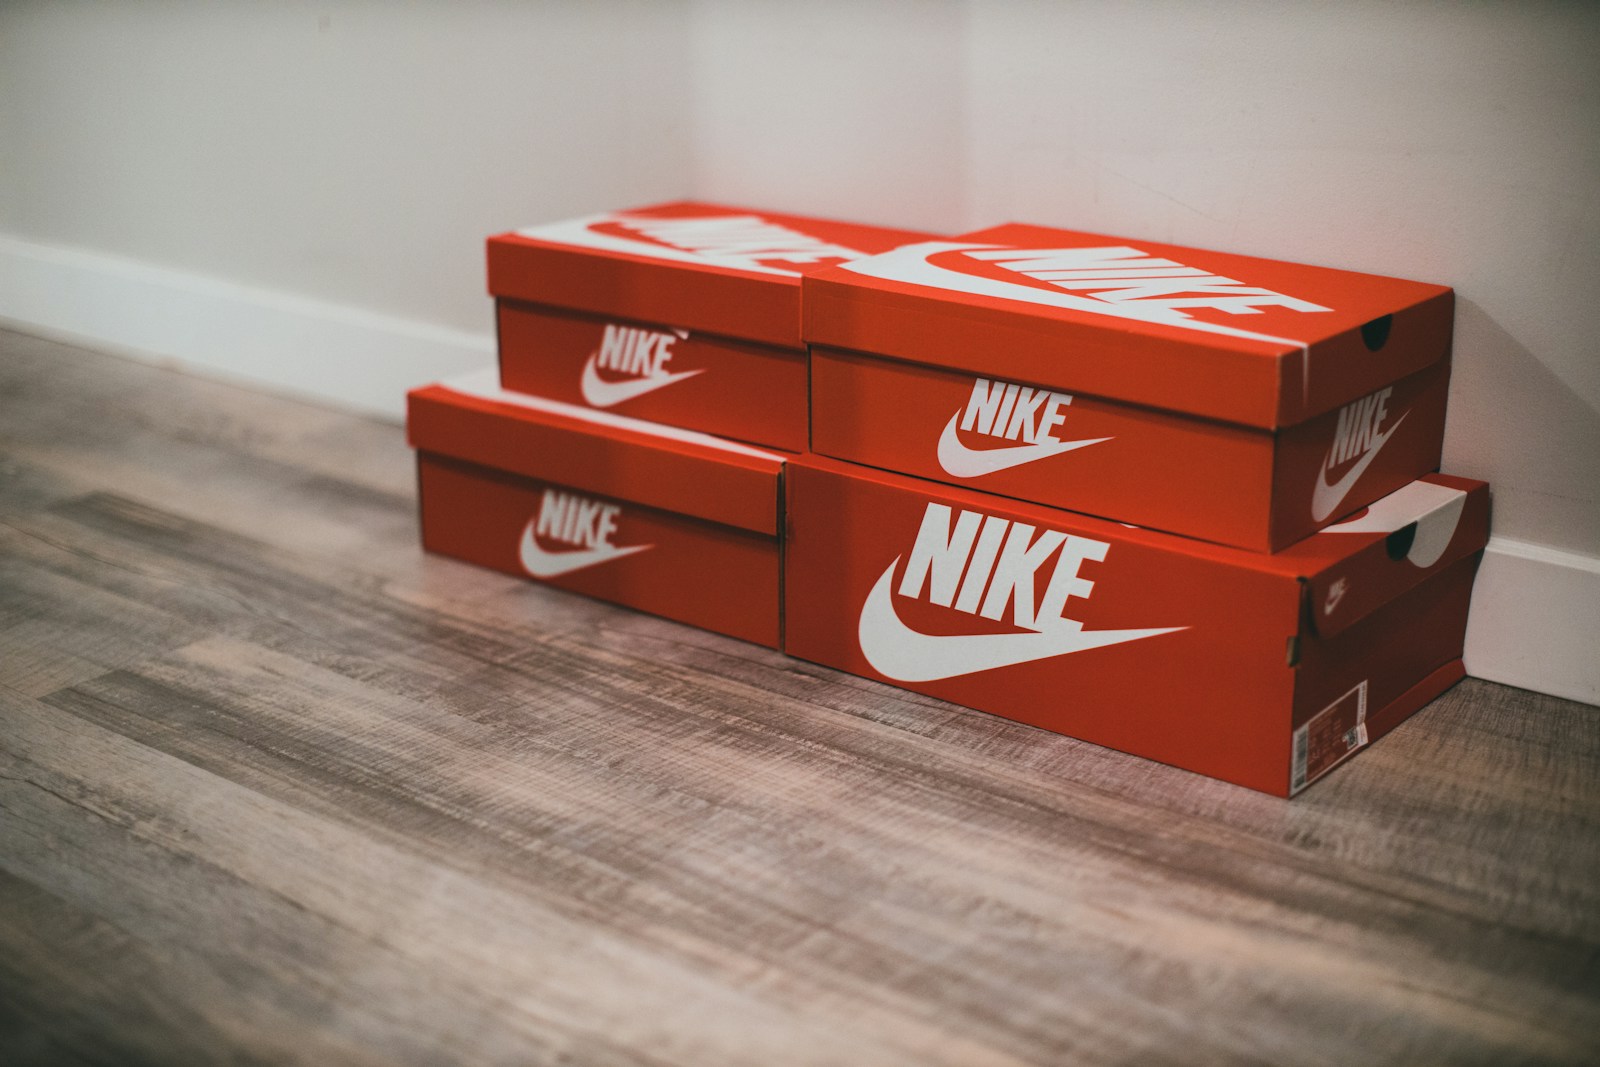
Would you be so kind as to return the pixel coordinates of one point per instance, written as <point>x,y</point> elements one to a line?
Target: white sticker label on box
<point>1329,738</point>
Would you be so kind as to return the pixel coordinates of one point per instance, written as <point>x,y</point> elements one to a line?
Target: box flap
<point>691,473</point>
<point>1237,338</point>
<point>1354,567</point>
<point>725,270</point>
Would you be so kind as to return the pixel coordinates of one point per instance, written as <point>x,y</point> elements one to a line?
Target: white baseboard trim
<point>1535,618</point>
<point>327,352</point>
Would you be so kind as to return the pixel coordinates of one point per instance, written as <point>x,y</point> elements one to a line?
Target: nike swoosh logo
<point>896,651</point>
<point>577,232</point>
<point>1325,498</point>
<point>603,394</point>
<point>1335,595</point>
<point>962,462</point>
<point>542,564</point>
<point>909,263</point>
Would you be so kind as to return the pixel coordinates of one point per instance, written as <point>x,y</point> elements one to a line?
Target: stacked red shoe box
<point>652,382</point>
<point>989,414</point>
<point>968,391</point>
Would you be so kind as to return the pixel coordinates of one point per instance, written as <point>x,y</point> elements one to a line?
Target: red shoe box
<point>1237,400</point>
<point>682,313</point>
<point>1264,670</point>
<point>669,521</point>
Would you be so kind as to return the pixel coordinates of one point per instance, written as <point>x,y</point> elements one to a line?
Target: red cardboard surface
<point>1197,655</point>
<point>715,577</point>
<point>701,267</point>
<point>1234,338</point>
<point>668,374</point>
<point>668,521</point>
<point>610,455</point>
<point>1248,487</point>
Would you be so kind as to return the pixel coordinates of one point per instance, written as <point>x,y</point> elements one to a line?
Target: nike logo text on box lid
<point>727,270</point>
<point>1232,337</point>
<point>598,452</point>
<point>1379,554</point>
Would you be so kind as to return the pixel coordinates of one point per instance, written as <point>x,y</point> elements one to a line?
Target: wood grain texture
<point>277,788</point>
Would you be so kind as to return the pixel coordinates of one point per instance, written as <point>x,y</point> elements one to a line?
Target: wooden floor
<point>275,787</point>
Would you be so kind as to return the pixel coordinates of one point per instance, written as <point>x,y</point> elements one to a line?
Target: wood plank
<point>391,955</point>
<point>205,450</point>
<point>591,814</point>
<point>81,989</point>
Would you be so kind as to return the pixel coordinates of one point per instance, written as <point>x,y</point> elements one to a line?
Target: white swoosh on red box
<point>1325,498</point>
<point>909,263</point>
<point>578,232</point>
<point>897,651</point>
<point>962,462</point>
<point>542,563</point>
<point>598,392</point>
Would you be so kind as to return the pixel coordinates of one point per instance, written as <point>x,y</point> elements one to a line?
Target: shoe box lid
<point>683,471</point>
<point>1236,338</point>
<point>725,270</point>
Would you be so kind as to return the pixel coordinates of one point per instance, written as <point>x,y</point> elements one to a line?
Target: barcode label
<point>1328,738</point>
<point>1301,740</point>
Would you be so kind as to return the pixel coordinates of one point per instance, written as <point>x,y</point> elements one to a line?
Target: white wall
<point>842,108</point>
<point>238,184</point>
<point>297,193</point>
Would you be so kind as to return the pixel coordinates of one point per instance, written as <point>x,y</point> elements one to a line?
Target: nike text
<point>1014,412</point>
<point>574,520</point>
<point>982,565</point>
<point>1011,412</point>
<point>1357,439</point>
<point>1359,423</point>
<point>630,350</point>
<point>1119,275</point>
<point>957,563</point>
<point>638,359</point>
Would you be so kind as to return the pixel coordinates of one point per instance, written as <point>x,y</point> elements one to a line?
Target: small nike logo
<point>896,651</point>
<point>600,393</point>
<point>1336,593</point>
<point>541,563</point>
<point>962,462</point>
<point>1325,498</point>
